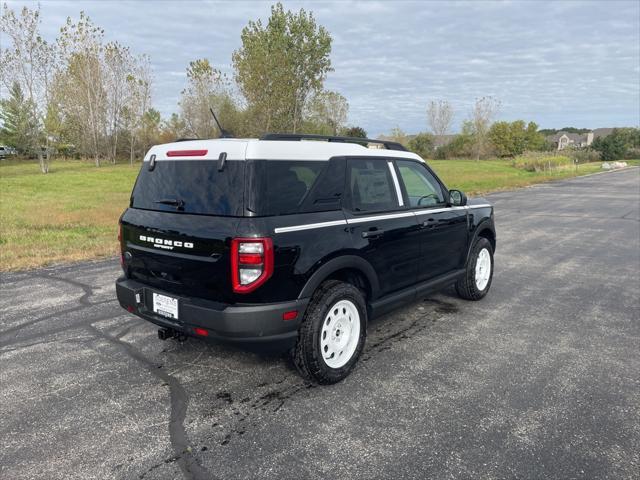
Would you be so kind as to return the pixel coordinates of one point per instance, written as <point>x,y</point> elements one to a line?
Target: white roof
<point>253,149</point>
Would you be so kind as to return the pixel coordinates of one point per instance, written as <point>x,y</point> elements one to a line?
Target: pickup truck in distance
<point>296,239</point>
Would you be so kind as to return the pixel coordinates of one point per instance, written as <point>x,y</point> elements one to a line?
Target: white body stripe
<point>380,217</point>
<point>309,226</point>
<point>390,216</point>
<point>396,183</point>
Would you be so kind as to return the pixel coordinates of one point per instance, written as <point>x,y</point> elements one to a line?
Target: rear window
<point>191,186</point>
<point>282,187</point>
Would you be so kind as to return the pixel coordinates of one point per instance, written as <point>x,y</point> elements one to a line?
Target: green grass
<point>69,214</point>
<point>72,213</point>
<point>480,177</point>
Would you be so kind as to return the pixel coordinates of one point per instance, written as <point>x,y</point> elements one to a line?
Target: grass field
<point>71,213</point>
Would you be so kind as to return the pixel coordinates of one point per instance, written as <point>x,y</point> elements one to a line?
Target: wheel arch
<point>486,230</point>
<point>348,268</point>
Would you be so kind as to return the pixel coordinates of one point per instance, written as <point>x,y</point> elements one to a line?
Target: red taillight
<point>201,331</point>
<point>186,153</point>
<point>251,263</point>
<point>250,259</point>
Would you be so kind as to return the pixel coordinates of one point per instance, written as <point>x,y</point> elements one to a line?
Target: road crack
<point>179,400</point>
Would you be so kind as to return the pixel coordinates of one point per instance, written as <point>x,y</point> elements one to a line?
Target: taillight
<point>251,263</point>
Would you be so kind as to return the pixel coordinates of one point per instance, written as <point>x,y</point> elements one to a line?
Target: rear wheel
<point>332,334</point>
<point>477,279</point>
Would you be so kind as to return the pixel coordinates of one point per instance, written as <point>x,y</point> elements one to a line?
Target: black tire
<point>307,354</point>
<point>466,286</point>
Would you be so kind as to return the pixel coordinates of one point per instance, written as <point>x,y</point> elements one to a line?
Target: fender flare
<point>339,263</point>
<point>485,224</point>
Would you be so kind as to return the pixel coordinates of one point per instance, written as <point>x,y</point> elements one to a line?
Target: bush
<point>616,145</point>
<point>422,144</point>
<point>460,146</point>
<point>358,132</point>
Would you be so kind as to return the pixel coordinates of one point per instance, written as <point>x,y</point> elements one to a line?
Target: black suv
<point>295,238</point>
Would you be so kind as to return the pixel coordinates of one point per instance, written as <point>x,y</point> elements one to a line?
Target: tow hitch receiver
<point>166,333</point>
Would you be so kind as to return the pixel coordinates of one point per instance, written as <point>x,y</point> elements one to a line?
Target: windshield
<point>191,186</point>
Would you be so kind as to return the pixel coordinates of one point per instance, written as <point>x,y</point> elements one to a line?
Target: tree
<point>17,121</point>
<point>356,132</point>
<point>279,66</point>
<point>511,139</point>
<point>173,129</point>
<point>477,127</point>
<point>422,144</point>
<point>119,63</point>
<point>614,146</point>
<point>139,102</point>
<point>398,135</point>
<point>84,95</point>
<point>439,118</point>
<point>30,61</point>
<point>151,121</point>
<point>329,109</point>
<point>205,90</point>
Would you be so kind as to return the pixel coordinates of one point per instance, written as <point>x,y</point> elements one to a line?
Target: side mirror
<point>457,198</point>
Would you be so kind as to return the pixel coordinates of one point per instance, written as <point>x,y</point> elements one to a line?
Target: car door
<point>385,232</point>
<point>443,228</point>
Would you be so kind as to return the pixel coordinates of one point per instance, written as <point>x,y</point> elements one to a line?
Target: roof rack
<point>330,138</point>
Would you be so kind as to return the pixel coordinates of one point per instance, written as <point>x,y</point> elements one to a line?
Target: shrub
<point>460,146</point>
<point>422,144</point>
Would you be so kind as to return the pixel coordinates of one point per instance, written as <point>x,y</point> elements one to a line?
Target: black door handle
<point>372,233</point>
<point>428,223</point>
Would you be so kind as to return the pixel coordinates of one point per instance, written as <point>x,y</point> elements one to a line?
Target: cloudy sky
<point>560,63</point>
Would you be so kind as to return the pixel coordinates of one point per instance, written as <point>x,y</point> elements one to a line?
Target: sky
<point>559,63</point>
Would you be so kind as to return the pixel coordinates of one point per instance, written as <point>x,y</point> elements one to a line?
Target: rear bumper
<point>238,323</point>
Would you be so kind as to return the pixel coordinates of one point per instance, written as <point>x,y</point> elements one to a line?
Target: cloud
<point>557,63</point>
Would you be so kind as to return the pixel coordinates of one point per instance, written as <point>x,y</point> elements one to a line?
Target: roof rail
<point>330,138</point>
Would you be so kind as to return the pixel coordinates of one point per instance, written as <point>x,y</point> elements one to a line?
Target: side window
<point>371,186</point>
<point>422,187</point>
<point>287,183</point>
<point>283,187</point>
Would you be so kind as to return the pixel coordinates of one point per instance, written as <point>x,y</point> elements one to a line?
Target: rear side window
<point>282,187</point>
<point>371,186</point>
<point>191,186</point>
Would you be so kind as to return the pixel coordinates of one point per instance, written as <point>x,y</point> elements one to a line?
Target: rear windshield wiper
<point>178,203</point>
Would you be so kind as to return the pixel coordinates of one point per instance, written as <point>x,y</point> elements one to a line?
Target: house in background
<point>562,140</point>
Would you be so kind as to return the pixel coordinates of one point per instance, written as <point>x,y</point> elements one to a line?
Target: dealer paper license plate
<point>165,306</point>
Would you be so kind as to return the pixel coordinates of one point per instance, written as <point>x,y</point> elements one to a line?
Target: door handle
<point>372,233</point>
<point>431,223</point>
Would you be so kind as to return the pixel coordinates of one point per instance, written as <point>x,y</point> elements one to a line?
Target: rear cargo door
<point>177,232</point>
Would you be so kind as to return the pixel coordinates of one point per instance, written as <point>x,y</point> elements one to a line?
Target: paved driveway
<point>540,379</point>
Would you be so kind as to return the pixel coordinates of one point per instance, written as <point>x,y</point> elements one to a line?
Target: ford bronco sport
<point>295,238</point>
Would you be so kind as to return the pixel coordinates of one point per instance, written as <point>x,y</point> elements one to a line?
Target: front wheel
<point>479,272</point>
<point>332,334</point>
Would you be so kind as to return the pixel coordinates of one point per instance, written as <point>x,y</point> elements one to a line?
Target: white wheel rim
<point>483,269</point>
<point>340,334</point>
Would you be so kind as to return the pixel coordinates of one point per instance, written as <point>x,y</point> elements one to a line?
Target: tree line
<point>80,95</point>
<point>481,136</point>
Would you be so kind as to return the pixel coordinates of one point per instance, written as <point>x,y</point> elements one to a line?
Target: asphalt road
<point>541,379</point>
